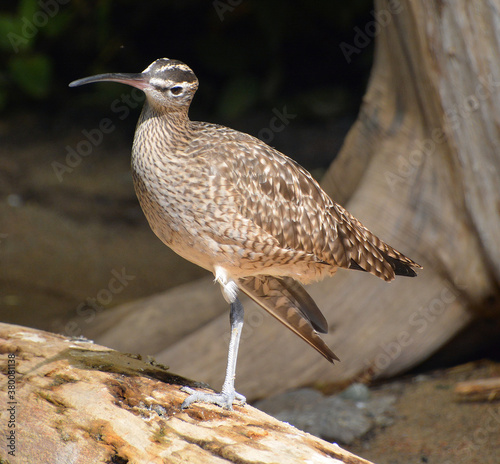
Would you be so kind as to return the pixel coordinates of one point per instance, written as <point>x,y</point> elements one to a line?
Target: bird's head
<point>168,84</point>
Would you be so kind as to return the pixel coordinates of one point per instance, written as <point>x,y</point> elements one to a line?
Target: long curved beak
<point>139,80</point>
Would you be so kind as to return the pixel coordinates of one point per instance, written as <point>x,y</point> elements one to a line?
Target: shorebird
<point>237,207</point>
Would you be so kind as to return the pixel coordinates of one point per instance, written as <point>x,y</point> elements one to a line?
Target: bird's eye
<point>177,90</point>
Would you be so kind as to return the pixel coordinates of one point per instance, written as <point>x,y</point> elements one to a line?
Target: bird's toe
<point>224,399</point>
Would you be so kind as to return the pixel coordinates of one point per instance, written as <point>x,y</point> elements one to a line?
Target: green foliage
<point>32,73</point>
<point>238,97</point>
<point>27,70</point>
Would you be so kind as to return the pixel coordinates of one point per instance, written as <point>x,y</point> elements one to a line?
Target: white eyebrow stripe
<point>168,83</point>
<point>163,83</point>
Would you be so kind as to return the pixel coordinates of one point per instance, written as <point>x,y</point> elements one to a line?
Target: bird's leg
<point>236,317</point>
<point>226,397</point>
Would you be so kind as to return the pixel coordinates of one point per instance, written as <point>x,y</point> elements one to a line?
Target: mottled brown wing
<point>283,199</point>
<point>288,302</point>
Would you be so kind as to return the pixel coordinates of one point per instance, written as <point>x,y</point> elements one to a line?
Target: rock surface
<point>340,418</point>
<point>77,402</point>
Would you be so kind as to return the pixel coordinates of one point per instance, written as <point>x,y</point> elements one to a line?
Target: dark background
<point>250,56</point>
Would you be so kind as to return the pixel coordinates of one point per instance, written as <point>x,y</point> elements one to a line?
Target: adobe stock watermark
<point>362,38</point>
<point>254,319</point>
<point>31,26</point>
<point>470,445</point>
<point>420,319</point>
<point>485,89</point>
<point>278,122</point>
<point>227,6</point>
<point>407,166</point>
<point>94,137</point>
<point>11,435</point>
<point>88,310</point>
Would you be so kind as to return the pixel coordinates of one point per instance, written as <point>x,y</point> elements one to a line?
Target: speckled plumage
<point>233,205</point>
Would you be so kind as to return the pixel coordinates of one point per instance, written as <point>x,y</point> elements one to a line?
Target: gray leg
<point>226,397</point>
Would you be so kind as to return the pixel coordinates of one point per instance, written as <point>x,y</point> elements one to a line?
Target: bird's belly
<point>174,223</point>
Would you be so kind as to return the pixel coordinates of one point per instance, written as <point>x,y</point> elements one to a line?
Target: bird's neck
<point>169,126</point>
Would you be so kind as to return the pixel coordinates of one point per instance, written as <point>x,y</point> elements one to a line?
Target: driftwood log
<point>478,389</point>
<point>420,168</point>
<point>73,401</point>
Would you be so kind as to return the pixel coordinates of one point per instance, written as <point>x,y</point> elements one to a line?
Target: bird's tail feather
<point>287,301</point>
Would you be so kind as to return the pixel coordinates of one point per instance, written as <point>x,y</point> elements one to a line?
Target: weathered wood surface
<point>80,403</point>
<point>478,389</point>
<point>421,169</point>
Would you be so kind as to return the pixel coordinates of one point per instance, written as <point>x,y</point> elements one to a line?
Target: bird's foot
<point>224,399</point>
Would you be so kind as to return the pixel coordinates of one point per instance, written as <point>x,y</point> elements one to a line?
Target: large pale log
<point>73,401</point>
<point>149,325</point>
<point>49,260</point>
